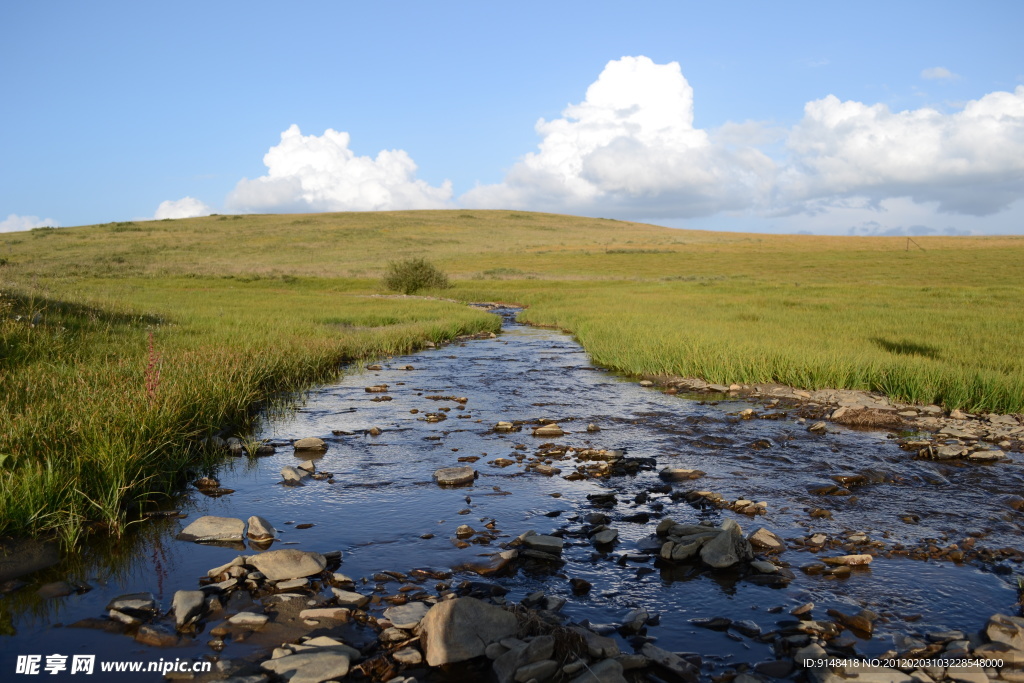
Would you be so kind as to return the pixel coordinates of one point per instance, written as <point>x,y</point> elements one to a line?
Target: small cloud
<point>321,173</point>
<point>815,63</point>
<point>186,207</point>
<point>15,223</point>
<point>939,73</point>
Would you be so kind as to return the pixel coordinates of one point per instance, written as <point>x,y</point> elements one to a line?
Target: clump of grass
<point>866,417</point>
<point>411,275</point>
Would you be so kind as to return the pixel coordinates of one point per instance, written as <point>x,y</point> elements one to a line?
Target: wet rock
<point>211,529</point>
<point>605,671</point>
<point>598,646</point>
<point>764,567</point>
<point>765,540</point>
<point>986,456</point>
<point>504,427</point>
<point>278,565</point>
<point>260,529</point>
<point>293,476</point>
<point>551,545</point>
<point>312,666</point>
<point>671,662</point>
<point>549,430</point>
<point>746,627</point>
<point>817,428</point>
<point>407,656</point>
<point>310,445</point>
<point>1006,629</point>
<point>848,560</point>
<point>593,428</point>
<point>727,548</point>
<point>350,599</point>
<point>407,616</point>
<point>157,636</point>
<point>861,622</point>
<point>455,476</point>
<point>461,629</point>
<point>135,603</point>
<point>580,586</point>
<point>326,613</point>
<point>680,474</point>
<point>57,589</point>
<point>249,620</point>
<point>188,607</point>
<point>605,537</point>
<point>537,671</point>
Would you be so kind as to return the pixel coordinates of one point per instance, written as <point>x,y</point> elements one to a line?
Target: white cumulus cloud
<point>970,162</point>
<point>186,207</point>
<point>14,223</point>
<point>938,73</point>
<point>310,173</point>
<point>631,147</point>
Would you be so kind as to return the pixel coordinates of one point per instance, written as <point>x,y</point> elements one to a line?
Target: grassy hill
<point>150,335</point>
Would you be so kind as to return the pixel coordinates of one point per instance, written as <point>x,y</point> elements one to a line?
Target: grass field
<point>151,335</point>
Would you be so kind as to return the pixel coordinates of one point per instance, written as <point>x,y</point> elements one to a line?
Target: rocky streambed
<point>500,509</point>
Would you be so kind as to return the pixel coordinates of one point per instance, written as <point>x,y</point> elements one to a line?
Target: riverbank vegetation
<point>122,346</point>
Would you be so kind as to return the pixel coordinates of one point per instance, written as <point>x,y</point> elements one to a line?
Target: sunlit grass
<point>94,420</point>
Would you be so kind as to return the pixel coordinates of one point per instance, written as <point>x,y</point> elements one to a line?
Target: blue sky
<point>873,118</point>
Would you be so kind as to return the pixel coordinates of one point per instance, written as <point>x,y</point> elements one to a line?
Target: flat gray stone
<point>545,544</point>
<point>455,476</point>
<point>211,529</point>
<point>278,565</point>
<point>350,598</point>
<point>407,616</point>
<point>311,666</point>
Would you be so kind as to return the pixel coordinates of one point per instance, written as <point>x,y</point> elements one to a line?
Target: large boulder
<point>211,529</point>
<point>278,565</point>
<point>461,629</point>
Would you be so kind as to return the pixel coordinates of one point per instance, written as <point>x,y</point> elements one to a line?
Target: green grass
<point>95,420</point>
<point>245,308</point>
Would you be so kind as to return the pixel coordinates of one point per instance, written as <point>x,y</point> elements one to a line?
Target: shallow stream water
<point>383,502</point>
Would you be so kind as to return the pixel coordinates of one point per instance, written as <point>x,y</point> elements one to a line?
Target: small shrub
<point>411,275</point>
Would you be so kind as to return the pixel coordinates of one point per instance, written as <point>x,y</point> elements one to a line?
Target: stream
<point>383,510</point>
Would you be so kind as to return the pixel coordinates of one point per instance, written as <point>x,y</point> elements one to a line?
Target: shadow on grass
<point>907,348</point>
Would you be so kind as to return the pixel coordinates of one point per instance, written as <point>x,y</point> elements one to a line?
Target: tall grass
<point>88,429</point>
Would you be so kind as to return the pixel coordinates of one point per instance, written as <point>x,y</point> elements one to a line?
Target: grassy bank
<point>107,405</point>
<point>152,333</point>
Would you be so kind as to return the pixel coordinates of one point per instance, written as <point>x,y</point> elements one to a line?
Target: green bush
<point>411,275</point>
